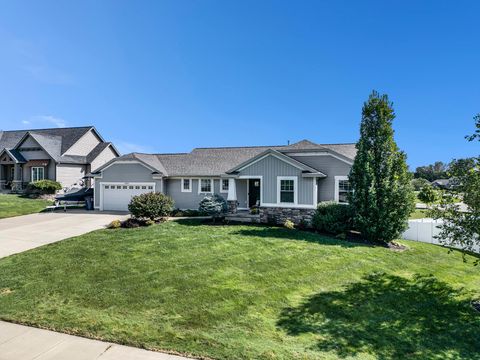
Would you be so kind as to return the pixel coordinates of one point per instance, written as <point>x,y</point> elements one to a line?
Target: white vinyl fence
<point>424,230</point>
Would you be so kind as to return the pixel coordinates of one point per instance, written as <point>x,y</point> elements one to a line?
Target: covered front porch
<point>11,172</point>
<point>243,194</point>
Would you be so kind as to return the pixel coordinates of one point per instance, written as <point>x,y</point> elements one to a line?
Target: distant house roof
<point>55,142</point>
<point>219,160</point>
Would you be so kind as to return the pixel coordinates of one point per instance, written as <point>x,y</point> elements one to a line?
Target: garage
<point>117,196</point>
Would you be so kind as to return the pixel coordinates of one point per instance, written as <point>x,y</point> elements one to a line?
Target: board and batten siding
<point>331,167</point>
<point>269,168</point>
<point>125,173</point>
<point>84,145</point>
<point>189,200</point>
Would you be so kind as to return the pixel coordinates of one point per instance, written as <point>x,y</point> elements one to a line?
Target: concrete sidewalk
<point>19,342</point>
<point>22,233</point>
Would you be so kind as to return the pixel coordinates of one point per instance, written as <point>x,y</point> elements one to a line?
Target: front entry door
<point>253,192</point>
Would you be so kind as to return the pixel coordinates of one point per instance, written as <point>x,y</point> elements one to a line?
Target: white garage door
<point>118,196</point>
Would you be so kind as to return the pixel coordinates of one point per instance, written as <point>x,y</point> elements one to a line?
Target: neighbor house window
<point>287,188</point>
<point>342,189</point>
<point>224,185</point>
<point>38,173</point>
<point>186,185</point>
<point>205,186</point>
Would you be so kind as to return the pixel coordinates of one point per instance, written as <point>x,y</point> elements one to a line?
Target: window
<point>107,187</point>
<point>342,189</point>
<point>38,173</point>
<point>287,190</point>
<point>224,185</point>
<point>130,187</point>
<point>186,185</point>
<point>205,186</point>
<point>150,187</point>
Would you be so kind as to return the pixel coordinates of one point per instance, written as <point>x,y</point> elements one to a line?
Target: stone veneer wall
<point>278,215</point>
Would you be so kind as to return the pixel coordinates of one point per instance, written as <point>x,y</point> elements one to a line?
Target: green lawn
<point>248,292</point>
<point>418,214</point>
<point>14,205</point>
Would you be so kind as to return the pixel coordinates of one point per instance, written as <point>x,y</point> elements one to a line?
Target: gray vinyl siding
<point>189,200</point>
<point>125,173</point>
<point>270,168</point>
<point>331,167</point>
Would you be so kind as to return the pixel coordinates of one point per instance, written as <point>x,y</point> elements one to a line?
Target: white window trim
<point>221,186</point>
<point>189,185</point>
<point>211,187</point>
<point>38,167</point>
<point>337,188</point>
<point>295,190</point>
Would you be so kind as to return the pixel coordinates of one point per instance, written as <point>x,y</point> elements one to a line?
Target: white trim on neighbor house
<point>320,154</point>
<point>38,178</point>
<point>110,183</point>
<point>182,183</point>
<point>315,192</point>
<point>295,190</point>
<point>212,186</point>
<point>222,190</point>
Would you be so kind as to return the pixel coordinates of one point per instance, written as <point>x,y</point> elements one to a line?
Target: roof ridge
<point>237,147</point>
<point>52,128</point>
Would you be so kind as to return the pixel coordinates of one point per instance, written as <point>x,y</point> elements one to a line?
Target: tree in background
<point>419,183</point>
<point>427,195</point>
<point>432,172</point>
<point>461,226</point>
<point>382,196</point>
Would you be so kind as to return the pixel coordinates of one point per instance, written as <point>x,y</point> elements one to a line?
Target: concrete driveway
<point>26,232</point>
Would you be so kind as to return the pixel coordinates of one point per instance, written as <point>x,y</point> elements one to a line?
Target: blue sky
<point>167,76</point>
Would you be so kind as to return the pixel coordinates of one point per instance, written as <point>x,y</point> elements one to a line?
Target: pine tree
<point>382,195</point>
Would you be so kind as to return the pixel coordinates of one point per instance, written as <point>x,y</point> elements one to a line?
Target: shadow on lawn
<point>282,233</point>
<point>390,317</point>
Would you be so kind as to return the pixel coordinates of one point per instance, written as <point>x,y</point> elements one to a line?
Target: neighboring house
<point>442,183</point>
<point>278,179</point>
<point>65,155</point>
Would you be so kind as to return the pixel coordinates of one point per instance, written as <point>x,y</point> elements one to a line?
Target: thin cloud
<point>40,121</point>
<point>128,147</point>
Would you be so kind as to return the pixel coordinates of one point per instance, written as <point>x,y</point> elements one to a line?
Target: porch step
<point>243,217</point>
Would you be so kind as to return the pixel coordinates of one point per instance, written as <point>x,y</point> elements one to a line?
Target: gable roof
<point>55,142</point>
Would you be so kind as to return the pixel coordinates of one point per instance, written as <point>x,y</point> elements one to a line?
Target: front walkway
<point>26,232</point>
<point>19,342</point>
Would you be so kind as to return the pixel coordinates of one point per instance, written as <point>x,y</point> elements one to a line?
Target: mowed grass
<point>248,292</point>
<point>14,205</point>
<point>419,214</point>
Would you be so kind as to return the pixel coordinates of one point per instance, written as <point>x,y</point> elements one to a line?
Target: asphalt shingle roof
<point>55,142</point>
<point>217,161</point>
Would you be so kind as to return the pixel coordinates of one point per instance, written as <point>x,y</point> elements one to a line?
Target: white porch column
<point>232,190</point>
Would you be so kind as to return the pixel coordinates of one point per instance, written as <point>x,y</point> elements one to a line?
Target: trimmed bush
<point>115,224</point>
<point>152,205</point>
<point>333,218</point>
<point>214,205</point>
<point>43,187</point>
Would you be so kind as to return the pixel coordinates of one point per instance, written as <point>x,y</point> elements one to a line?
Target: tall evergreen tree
<point>382,195</point>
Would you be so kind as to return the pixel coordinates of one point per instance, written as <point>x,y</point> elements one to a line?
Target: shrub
<point>333,218</point>
<point>289,224</point>
<point>186,213</point>
<point>115,224</point>
<point>44,187</point>
<point>151,206</point>
<point>214,205</point>
<point>149,222</point>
